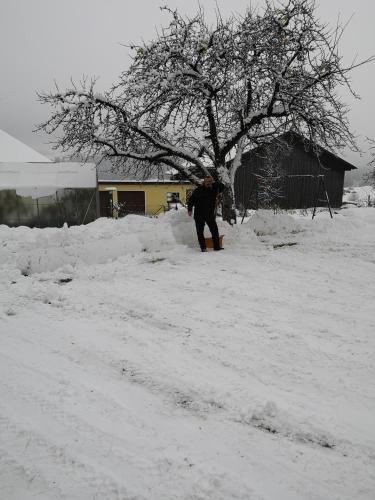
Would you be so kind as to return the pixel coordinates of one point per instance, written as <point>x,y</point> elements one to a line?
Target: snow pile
<point>42,250</point>
<point>265,223</point>
<point>181,225</point>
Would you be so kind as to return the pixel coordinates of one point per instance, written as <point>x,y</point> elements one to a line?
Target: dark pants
<point>211,223</point>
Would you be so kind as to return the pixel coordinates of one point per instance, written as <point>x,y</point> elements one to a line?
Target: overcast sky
<point>46,40</point>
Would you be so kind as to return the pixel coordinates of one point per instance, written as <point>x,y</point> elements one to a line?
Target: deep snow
<point>134,367</point>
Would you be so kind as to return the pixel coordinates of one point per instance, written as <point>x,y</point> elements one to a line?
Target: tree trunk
<point>227,176</point>
<point>228,205</point>
<point>228,211</point>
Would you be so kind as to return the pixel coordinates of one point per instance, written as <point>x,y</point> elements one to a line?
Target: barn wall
<point>295,192</point>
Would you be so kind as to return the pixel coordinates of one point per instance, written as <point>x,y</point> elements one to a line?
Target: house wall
<point>295,192</point>
<point>155,193</point>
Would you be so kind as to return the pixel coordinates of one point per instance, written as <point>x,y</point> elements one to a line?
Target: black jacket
<point>203,199</point>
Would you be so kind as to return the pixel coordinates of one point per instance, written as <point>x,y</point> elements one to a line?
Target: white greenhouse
<point>36,192</point>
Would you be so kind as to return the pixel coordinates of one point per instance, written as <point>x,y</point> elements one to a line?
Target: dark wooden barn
<point>286,173</point>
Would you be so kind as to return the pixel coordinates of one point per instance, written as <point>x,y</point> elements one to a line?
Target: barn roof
<point>329,159</point>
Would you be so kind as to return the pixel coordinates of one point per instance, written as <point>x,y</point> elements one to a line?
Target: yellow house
<point>149,197</point>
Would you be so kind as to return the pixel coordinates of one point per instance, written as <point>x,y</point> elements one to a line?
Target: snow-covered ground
<point>134,367</point>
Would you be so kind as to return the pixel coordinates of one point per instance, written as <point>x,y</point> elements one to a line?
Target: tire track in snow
<point>189,399</point>
<point>26,480</point>
<point>29,400</point>
<point>57,469</point>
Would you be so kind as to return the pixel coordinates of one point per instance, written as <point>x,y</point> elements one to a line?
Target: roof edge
<point>347,166</point>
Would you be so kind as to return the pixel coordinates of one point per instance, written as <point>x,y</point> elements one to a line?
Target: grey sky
<point>46,40</point>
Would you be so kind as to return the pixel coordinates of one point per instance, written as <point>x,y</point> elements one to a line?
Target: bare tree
<point>370,176</point>
<point>199,95</point>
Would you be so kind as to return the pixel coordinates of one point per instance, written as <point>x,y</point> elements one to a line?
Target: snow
<point>135,367</point>
<point>143,181</point>
<point>360,196</point>
<point>40,179</point>
<point>13,150</point>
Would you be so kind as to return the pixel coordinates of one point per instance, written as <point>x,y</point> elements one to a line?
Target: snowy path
<point>247,374</point>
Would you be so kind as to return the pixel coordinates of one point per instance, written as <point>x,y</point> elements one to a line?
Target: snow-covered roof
<point>13,150</point>
<point>41,179</point>
<point>146,181</point>
<point>107,172</point>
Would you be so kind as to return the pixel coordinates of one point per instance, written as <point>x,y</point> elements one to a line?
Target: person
<point>204,199</point>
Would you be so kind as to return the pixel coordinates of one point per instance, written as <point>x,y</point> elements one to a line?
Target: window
<point>173,197</point>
